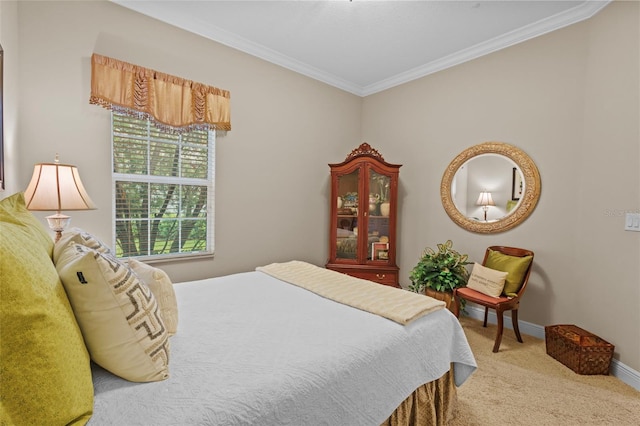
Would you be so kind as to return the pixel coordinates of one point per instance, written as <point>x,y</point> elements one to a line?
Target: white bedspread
<point>253,350</point>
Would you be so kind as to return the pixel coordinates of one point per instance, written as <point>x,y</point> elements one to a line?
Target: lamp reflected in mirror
<point>485,200</point>
<point>57,187</point>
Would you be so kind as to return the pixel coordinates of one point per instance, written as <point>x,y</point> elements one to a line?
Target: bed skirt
<point>432,404</point>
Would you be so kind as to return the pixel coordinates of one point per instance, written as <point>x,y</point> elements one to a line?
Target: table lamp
<point>57,187</point>
<point>485,201</point>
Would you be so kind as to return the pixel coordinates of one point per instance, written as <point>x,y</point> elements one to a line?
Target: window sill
<point>172,258</point>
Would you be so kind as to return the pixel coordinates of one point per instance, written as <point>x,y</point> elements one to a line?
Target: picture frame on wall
<point>517,185</point>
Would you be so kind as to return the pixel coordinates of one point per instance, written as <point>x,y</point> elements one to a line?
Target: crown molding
<point>583,11</point>
<point>571,16</point>
<point>242,44</point>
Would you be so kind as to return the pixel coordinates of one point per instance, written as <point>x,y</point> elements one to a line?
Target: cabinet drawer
<point>380,277</point>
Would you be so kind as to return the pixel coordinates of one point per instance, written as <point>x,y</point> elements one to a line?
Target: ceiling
<point>362,46</point>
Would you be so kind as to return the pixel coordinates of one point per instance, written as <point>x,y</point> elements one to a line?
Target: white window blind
<point>163,189</point>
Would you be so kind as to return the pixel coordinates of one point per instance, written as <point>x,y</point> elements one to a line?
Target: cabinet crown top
<point>364,149</point>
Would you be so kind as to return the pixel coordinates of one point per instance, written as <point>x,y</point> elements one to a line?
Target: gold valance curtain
<point>173,103</point>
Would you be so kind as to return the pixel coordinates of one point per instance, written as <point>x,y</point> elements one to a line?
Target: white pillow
<point>487,281</point>
<point>81,237</point>
<point>117,314</point>
<point>162,288</point>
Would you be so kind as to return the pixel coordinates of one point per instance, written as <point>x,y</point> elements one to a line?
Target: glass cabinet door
<point>348,209</point>
<point>378,217</point>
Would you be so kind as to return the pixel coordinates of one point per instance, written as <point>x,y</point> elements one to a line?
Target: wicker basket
<point>446,297</point>
<point>581,351</point>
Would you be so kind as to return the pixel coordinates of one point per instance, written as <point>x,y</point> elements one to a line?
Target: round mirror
<point>490,187</point>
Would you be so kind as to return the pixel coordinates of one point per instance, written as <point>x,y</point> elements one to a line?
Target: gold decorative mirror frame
<point>527,202</point>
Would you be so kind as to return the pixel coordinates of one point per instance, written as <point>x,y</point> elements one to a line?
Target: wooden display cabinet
<point>362,234</point>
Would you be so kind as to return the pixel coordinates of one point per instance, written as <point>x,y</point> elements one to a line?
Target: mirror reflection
<point>487,187</point>
<point>490,187</point>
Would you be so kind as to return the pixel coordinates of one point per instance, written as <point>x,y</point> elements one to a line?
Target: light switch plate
<point>632,222</point>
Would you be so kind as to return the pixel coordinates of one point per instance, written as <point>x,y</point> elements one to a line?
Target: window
<point>163,189</point>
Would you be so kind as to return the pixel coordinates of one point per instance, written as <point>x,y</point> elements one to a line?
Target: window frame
<point>209,182</point>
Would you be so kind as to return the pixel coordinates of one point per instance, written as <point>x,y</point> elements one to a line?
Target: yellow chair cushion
<point>514,265</point>
<point>44,369</point>
<point>118,315</point>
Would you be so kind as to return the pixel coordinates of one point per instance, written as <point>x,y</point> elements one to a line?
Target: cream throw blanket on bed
<point>392,303</point>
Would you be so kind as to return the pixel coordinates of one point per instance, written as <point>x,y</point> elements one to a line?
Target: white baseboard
<point>618,369</point>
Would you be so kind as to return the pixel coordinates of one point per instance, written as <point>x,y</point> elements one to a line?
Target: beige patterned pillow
<point>487,281</point>
<point>162,288</point>
<point>118,315</point>
<point>81,237</point>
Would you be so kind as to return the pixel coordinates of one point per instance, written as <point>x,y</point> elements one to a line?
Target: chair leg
<point>486,313</point>
<point>514,319</point>
<point>496,345</point>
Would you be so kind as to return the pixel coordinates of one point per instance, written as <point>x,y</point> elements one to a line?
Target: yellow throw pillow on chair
<point>514,265</point>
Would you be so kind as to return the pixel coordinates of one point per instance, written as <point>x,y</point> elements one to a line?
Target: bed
<point>255,349</point>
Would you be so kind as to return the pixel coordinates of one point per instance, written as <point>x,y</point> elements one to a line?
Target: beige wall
<point>9,41</point>
<point>570,99</point>
<point>271,170</point>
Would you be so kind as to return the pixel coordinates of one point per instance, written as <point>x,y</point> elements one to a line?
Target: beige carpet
<point>522,385</point>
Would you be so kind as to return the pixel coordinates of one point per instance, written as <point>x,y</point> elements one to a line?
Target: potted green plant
<point>438,273</point>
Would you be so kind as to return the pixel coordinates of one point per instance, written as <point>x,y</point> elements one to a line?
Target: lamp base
<point>58,222</point>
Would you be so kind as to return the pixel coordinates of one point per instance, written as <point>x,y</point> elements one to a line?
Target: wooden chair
<point>499,304</point>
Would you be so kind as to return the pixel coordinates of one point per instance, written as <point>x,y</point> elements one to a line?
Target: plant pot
<point>445,296</point>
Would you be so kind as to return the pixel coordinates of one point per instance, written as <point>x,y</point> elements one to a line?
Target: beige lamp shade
<point>57,187</point>
<point>485,199</point>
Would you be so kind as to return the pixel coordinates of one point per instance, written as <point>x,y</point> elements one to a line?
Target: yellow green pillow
<point>14,211</point>
<point>44,369</point>
<point>514,265</point>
